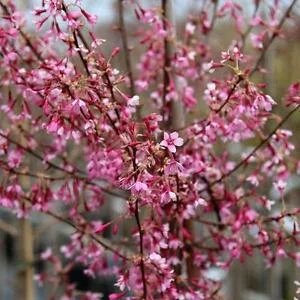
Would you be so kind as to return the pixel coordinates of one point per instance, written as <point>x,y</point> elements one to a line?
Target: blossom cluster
<point>76,134</point>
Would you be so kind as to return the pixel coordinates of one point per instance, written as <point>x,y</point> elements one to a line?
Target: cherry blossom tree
<point>77,133</point>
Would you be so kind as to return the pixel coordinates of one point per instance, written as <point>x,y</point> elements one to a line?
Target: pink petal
<point>172,148</point>
<point>174,135</point>
<point>178,142</point>
<point>164,144</point>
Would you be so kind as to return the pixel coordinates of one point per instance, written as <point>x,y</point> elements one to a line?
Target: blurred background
<point>250,281</point>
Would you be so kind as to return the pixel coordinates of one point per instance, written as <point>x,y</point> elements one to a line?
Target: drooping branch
<point>273,36</point>
<point>260,145</point>
<point>257,64</point>
<point>101,241</point>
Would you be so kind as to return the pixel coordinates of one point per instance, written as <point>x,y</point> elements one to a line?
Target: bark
<point>26,285</point>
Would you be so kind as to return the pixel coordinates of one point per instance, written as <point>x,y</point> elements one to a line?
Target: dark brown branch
<point>214,15</point>
<point>292,213</point>
<point>248,30</point>
<point>167,61</point>
<point>140,229</point>
<point>126,47</point>
<point>270,242</point>
<point>214,202</point>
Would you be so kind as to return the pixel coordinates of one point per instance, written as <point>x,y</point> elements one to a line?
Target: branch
<point>261,144</point>
<point>101,241</point>
<point>140,229</point>
<point>274,35</point>
<point>257,64</point>
<point>214,202</point>
<point>167,60</point>
<point>126,47</point>
<point>54,166</point>
<point>270,242</point>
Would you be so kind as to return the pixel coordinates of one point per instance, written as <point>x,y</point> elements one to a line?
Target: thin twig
<point>140,230</point>
<point>126,47</point>
<point>247,32</point>
<point>167,61</point>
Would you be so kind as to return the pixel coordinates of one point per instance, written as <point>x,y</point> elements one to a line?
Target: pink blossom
<point>92,19</point>
<point>190,28</point>
<point>293,94</point>
<point>134,101</point>
<point>152,122</point>
<point>280,185</point>
<point>139,188</point>
<point>257,40</point>
<point>171,141</point>
<point>297,259</point>
<point>46,254</point>
<point>281,253</point>
<point>116,296</point>
<point>15,158</point>
<point>167,197</point>
<point>73,143</point>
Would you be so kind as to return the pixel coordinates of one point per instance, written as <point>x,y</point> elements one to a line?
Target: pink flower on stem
<point>15,157</point>
<point>92,19</point>
<point>134,101</point>
<point>47,254</point>
<point>280,185</point>
<point>139,188</point>
<point>171,141</point>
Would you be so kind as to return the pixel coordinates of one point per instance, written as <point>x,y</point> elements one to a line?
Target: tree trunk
<point>26,285</point>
